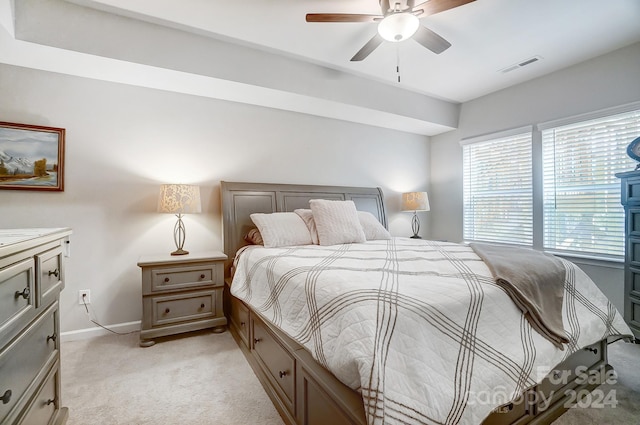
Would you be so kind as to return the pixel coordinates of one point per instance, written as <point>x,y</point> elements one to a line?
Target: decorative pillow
<point>307,217</point>
<point>337,222</point>
<point>281,229</point>
<point>254,237</point>
<point>372,228</point>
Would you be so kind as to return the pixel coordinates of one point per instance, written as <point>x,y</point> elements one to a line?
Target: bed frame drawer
<point>240,319</point>
<point>563,377</point>
<point>277,361</point>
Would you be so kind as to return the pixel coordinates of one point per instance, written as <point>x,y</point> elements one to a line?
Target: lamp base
<point>416,237</point>
<point>179,251</point>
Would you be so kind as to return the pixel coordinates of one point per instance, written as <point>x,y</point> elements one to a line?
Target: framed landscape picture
<point>31,157</point>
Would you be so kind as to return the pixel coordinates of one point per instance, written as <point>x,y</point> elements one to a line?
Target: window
<point>574,161</point>
<point>498,200</point>
<point>582,211</point>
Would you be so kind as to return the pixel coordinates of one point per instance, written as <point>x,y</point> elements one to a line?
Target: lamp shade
<point>415,201</point>
<point>398,27</point>
<point>179,199</point>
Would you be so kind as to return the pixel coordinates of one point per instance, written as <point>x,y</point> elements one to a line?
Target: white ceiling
<point>262,52</point>
<point>486,36</point>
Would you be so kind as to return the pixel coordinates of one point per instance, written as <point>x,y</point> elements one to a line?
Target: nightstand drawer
<point>49,275</point>
<point>175,278</point>
<point>24,358</point>
<point>184,307</point>
<point>16,295</point>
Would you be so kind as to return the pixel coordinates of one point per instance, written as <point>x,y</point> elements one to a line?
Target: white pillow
<point>307,216</point>
<point>337,222</point>
<point>281,229</point>
<point>372,228</point>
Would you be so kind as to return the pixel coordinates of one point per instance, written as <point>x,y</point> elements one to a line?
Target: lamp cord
<point>86,307</point>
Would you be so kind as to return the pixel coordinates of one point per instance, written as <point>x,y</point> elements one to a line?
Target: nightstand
<point>181,293</point>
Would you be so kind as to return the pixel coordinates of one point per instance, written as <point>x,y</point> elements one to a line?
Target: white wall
<point>122,142</point>
<point>606,81</point>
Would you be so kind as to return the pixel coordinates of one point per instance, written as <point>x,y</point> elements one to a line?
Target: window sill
<point>590,260</point>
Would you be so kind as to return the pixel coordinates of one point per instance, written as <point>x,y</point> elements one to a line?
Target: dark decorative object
<point>633,150</point>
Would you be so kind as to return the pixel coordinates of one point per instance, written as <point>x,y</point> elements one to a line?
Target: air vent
<point>521,64</point>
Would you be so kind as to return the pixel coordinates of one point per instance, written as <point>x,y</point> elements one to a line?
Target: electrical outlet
<point>84,296</point>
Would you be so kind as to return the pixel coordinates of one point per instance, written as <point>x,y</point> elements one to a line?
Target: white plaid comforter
<point>418,327</point>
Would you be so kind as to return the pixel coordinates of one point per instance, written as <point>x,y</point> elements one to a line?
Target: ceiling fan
<point>398,22</point>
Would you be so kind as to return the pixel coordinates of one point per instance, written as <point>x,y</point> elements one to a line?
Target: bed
<point>538,387</point>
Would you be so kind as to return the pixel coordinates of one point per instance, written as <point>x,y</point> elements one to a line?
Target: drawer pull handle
<point>283,373</point>
<point>166,279</point>
<point>593,350</point>
<point>505,409</point>
<point>56,273</point>
<point>202,276</point>
<point>202,305</point>
<point>51,401</point>
<point>256,340</point>
<point>6,398</point>
<point>26,293</point>
<point>242,324</point>
<point>167,311</point>
<point>52,337</point>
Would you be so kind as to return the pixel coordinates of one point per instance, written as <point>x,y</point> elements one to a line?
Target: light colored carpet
<point>197,380</point>
<point>203,378</point>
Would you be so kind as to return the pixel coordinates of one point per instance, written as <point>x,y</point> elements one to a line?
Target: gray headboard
<point>240,200</point>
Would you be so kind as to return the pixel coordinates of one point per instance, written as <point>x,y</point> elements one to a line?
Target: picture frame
<point>31,157</point>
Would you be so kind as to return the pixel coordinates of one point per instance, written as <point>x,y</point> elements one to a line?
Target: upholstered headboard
<point>240,200</point>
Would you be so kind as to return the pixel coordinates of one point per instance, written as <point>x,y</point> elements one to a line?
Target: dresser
<point>630,199</point>
<point>181,293</point>
<point>31,278</point>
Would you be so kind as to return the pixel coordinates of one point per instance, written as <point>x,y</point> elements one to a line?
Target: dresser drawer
<point>277,361</point>
<point>24,359</point>
<point>48,275</point>
<point>633,251</point>
<point>240,318</point>
<point>185,307</point>
<point>45,405</point>
<point>16,295</point>
<point>185,277</point>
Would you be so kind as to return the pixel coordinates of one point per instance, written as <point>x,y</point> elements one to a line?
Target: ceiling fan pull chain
<point>398,61</point>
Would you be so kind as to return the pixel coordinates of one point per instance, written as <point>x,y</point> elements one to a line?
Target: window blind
<point>498,198</point>
<point>581,195</point>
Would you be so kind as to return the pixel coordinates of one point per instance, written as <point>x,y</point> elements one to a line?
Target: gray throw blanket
<point>535,282</point>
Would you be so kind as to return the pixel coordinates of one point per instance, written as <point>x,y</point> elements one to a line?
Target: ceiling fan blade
<point>431,7</point>
<point>431,40</point>
<point>341,17</point>
<point>368,48</point>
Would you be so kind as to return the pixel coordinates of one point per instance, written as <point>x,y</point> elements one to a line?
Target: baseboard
<point>96,331</point>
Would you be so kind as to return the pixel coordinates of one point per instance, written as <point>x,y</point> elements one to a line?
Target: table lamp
<point>415,201</point>
<point>179,199</point>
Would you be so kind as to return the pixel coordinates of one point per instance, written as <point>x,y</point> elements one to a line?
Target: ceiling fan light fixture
<point>398,26</point>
